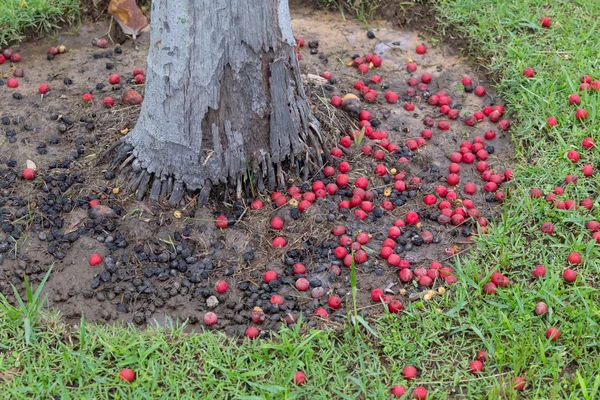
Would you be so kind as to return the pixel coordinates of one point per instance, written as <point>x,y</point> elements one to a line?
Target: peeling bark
<point>223,97</point>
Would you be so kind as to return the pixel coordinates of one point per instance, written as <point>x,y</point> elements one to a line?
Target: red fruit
<point>489,288</point>
<point>375,79</point>
<point>358,85</point>
<point>412,218</point>
<point>408,106</point>
<point>380,170</point>
<point>453,180</point>
<point>551,121</point>
<point>420,393</point>
<point>336,101</point>
<point>138,71</point>
<point>391,97</point>
<point>466,81</point>
<point>406,275</point>
<point>340,252</point>
<point>409,372</point>
<point>346,142</point>
<point>127,375</point>
<point>429,200</point>
<point>94,203</point>
<point>386,252</point>
<point>28,174</point>
<point>426,77</point>
<point>574,258</point>
<point>581,114</point>
<point>548,228</point>
<point>7,53</point>
<point>475,367</point>
<point>336,152</point>
<point>95,259</point>
<point>342,180</point>
<point>114,79</point>
<point>139,79</point>
<point>302,284</point>
<point>587,170</point>
<point>221,286</point>
<point>299,378</point>
<point>546,22</point>
<point>574,99</point>
<point>443,125</point>
<point>363,69</point>
<point>573,155</point>
<point>504,125</point>
<point>251,332</point>
<point>334,302</point>
<point>276,299</point>
<point>421,49</point>
<point>553,333</point>
<point>108,102</point>
<point>270,276</point>
<point>453,114</point>
<point>481,356</point>
<point>2,59</point>
<point>279,242</point>
<point>479,91</point>
<point>395,306</point>
<point>518,382</point>
<point>470,188</point>
<point>529,72</point>
<point>539,271</point>
<point>569,275</point>
<point>377,61</point>
<point>87,97</point>
<point>12,83</point>
<point>398,391</point>
<point>102,43</point>
<point>222,222</point>
<point>541,308</point>
<point>376,295</point>
<point>321,312</point>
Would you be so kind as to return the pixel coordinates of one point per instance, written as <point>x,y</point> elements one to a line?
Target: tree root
<point>144,184</point>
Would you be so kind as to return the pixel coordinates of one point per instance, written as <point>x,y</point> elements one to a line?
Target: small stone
<point>212,302</point>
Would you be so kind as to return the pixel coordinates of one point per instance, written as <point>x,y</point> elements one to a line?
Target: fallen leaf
<point>9,375</point>
<point>73,225</point>
<point>30,164</point>
<point>128,15</point>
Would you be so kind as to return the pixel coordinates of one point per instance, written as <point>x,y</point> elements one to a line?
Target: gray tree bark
<point>224,101</point>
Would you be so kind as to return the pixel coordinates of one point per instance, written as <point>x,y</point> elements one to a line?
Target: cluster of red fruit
<point>7,54</point>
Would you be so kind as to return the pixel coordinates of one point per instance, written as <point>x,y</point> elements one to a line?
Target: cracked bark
<point>223,98</point>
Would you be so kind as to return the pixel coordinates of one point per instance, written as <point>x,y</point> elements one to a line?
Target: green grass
<point>19,17</point>
<point>440,336</point>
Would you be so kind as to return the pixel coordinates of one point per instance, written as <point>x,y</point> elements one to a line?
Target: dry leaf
<point>9,375</point>
<point>30,164</point>
<point>73,225</point>
<point>128,15</point>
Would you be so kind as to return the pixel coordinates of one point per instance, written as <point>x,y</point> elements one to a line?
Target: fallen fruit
<point>95,259</point>
<point>475,367</point>
<point>12,83</point>
<point>28,174</point>
<point>108,102</point>
<point>127,375</point>
<point>574,258</point>
<point>87,97</point>
<point>409,372</point>
<point>421,49</point>
<point>251,332</point>
<point>270,276</point>
<point>334,302</point>
<point>529,72</point>
<point>398,391</point>
<point>210,318</point>
<point>569,275</point>
<point>546,22</point>
<point>518,384</point>
<point>222,222</point>
<point>299,378</point>
<point>553,333</point>
<point>420,393</point>
<point>221,286</point>
<point>539,271</point>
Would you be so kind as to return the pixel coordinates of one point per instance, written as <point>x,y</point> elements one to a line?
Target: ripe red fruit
<point>546,22</point>
<point>587,170</point>
<point>276,299</point>
<point>303,205</point>
<point>553,333</point>
<point>529,72</point>
<point>251,332</point>
<point>299,378</point>
<point>443,125</point>
<point>342,180</point>
<point>44,88</point>
<point>466,81</point>
<point>127,375</point>
<point>481,356</point>
<point>518,384</point>
<point>541,308</point>
<point>581,114</point>
<point>28,174</point>
<point>574,99</point>
<point>574,258</point>
<point>321,312</point>
<point>588,143</point>
<point>551,121</point>
<point>302,284</point>
<point>221,286</point>
<point>395,306</point>
<point>420,393</point>
<point>279,242</point>
<point>409,372</point>
<point>412,217</point>
<point>12,83</point>
<point>539,271</point>
<point>108,102</point>
<point>15,58</point>
<point>479,91</point>
<point>470,188</point>
<point>569,275</point>
<point>139,79</point>
<point>334,302</point>
<point>391,97</point>
<point>398,391</point>
<point>426,77</point>
<point>94,203</point>
<point>87,97</point>
<point>408,106</point>
<point>336,101</point>
<point>376,294</point>
<point>489,288</point>
<point>222,222</point>
<point>453,180</point>
<point>573,155</point>
<point>429,200</point>
<point>421,49</point>
<point>377,61</point>
<point>114,79</point>
<point>210,318</point>
<point>95,259</point>
<point>363,69</point>
<point>475,367</point>
<point>270,276</point>
<point>547,228</point>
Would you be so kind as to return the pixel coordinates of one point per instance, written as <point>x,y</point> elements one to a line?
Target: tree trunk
<point>224,99</point>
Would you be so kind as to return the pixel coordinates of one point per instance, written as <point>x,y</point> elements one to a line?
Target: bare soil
<point>161,264</point>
